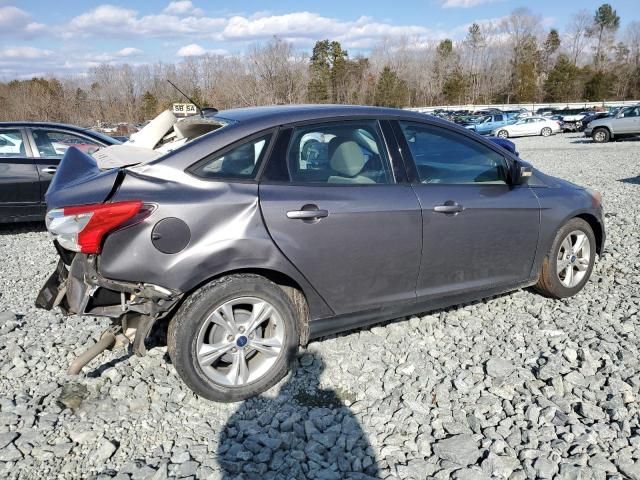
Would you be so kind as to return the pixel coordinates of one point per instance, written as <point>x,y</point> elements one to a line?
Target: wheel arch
<point>300,297</point>
<point>596,226</point>
<point>602,127</point>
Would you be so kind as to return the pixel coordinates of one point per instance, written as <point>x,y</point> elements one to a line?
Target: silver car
<point>292,223</point>
<point>528,127</point>
<point>625,124</point>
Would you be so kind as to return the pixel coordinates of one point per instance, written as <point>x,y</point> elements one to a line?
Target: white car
<point>528,126</point>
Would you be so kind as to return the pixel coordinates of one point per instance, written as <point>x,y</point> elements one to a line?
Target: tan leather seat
<point>346,159</point>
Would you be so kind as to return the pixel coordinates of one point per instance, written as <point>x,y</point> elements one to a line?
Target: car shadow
<point>303,432</point>
<point>620,140</point>
<point>632,180</point>
<point>22,227</point>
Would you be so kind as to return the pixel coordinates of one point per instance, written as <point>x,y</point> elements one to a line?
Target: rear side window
<point>445,157</point>
<point>54,143</point>
<point>11,144</point>
<point>348,153</point>
<point>239,162</point>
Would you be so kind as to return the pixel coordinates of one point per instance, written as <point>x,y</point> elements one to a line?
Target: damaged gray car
<point>272,226</point>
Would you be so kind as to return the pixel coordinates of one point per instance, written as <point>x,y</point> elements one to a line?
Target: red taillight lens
<point>82,228</point>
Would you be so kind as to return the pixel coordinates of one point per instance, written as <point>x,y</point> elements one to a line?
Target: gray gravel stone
<point>460,449</point>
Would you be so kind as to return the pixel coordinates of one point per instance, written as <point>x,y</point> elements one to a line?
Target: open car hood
<point>160,136</point>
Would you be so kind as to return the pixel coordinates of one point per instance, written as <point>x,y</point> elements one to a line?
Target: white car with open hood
<point>528,126</point>
<point>161,135</point>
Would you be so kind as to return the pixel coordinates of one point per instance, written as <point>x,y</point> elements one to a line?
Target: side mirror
<point>521,173</point>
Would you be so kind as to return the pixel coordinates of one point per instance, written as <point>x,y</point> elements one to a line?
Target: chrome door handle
<point>50,170</point>
<point>448,207</point>
<point>307,214</point>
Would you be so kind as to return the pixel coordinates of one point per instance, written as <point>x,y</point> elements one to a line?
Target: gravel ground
<point>516,387</point>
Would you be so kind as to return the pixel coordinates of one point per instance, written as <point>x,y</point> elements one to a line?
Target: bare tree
<point>577,34</point>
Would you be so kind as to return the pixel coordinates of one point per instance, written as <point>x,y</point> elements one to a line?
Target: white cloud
<point>24,53</point>
<point>129,52</point>
<point>465,3</point>
<point>182,7</point>
<point>114,20</point>
<point>195,50</point>
<point>17,22</point>
<point>192,50</point>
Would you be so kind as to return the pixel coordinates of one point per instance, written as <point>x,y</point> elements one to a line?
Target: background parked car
<point>527,127</point>
<point>594,116</point>
<point>487,123</point>
<point>625,124</point>
<point>29,156</point>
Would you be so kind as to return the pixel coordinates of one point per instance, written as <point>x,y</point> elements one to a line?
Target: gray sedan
<point>292,223</point>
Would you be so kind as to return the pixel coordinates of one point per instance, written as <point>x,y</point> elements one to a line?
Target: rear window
<point>240,161</point>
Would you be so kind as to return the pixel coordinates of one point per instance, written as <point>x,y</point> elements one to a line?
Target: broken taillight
<point>82,228</point>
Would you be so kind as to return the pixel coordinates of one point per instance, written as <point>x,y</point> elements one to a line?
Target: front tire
<point>567,267</point>
<point>546,131</point>
<point>234,338</point>
<point>503,134</point>
<point>601,135</point>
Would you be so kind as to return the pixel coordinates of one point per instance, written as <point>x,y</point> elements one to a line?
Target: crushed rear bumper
<point>77,287</point>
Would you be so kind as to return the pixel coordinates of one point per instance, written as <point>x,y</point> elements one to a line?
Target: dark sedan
<point>291,223</point>
<point>29,156</point>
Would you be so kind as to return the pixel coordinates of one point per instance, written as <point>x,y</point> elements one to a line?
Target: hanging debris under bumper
<point>77,288</point>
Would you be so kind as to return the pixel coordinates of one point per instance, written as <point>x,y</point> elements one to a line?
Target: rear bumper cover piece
<point>77,288</point>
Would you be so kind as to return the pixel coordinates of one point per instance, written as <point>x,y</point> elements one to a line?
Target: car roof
<point>265,117</point>
<point>63,126</point>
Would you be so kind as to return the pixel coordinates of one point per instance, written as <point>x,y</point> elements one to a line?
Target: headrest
<point>346,157</point>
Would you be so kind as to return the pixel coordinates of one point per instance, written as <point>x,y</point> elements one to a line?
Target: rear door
<point>478,231</point>
<point>49,145</point>
<point>19,190</point>
<point>336,204</point>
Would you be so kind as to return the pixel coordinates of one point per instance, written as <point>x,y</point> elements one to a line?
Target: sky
<point>67,37</point>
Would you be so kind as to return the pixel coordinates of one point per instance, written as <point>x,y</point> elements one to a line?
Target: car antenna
<point>187,97</point>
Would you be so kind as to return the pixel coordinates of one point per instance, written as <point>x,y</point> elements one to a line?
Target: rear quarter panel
<point>227,234</point>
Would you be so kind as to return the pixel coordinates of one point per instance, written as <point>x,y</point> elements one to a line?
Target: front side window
<point>11,144</point>
<point>239,162</point>
<point>350,152</point>
<point>54,143</point>
<point>446,157</point>
<point>630,112</point>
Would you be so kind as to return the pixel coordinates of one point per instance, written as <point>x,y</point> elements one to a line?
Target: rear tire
<point>199,331</point>
<point>546,131</point>
<point>567,267</point>
<point>601,135</point>
<point>502,134</point>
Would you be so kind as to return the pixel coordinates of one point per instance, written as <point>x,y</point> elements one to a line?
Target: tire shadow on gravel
<point>303,432</point>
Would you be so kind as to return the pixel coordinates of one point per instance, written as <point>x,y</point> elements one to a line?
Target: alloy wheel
<point>240,341</point>
<point>600,136</point>
<point>546,131</point>
<point>574,258</point>
<point>503,134</point>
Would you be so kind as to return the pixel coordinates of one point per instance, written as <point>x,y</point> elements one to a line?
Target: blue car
<point>486,124</point>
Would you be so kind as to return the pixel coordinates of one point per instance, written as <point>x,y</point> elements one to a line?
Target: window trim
<point>34,145</point>
<point>288,130</point>
<point>272,131</point>
<point>410,163</point>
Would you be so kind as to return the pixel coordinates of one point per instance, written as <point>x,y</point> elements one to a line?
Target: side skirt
<point>330,325</point>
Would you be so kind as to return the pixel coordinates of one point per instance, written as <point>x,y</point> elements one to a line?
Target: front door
<point>479,232</point>
<point>628,121</point>
<point>19,191</point>
<point>331,203</point>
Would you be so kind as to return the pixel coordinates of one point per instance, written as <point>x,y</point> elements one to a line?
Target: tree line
<point>514,61</point>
